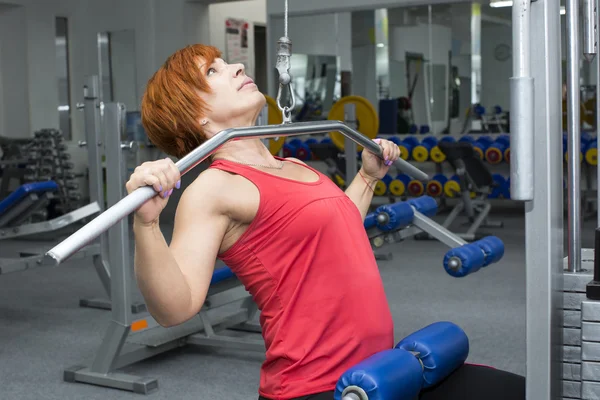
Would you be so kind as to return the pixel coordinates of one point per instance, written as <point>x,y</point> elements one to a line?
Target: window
<point>63,76</point>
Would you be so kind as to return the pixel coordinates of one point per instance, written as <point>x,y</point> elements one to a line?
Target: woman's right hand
<point>163,176</point>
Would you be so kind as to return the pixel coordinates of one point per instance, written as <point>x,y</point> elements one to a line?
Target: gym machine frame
<point>127,341</point>
<point>562,325</point>
<point>96,148</point>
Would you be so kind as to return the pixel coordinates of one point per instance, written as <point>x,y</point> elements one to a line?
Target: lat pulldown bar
<point>133,201</point>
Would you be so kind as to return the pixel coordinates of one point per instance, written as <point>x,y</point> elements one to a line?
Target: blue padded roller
<point>24,190</point>
<point>426,205</point>
<point>471,259</point>
<point>442,347</point>
<point>221,274</point>
<point>493,249</point>
<point>399,214</point>
<point>370,220</point>
<point>390,374</point>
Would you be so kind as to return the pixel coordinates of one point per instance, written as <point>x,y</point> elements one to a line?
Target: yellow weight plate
<point>479,152</point>
<point>507,155</point>
<point>275,118</point>
<point>404,153</point>
<point>451,188</point>
<point>380,188</point>
<point>366,118</point>
<point>437,155</point>
<point>591,156</point>
<point>397,187</point>
<point>420,153</point>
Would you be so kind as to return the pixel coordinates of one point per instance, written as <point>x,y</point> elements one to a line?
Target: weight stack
<point>581,334</point>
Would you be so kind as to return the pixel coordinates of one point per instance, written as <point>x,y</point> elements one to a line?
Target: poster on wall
<point>236,42</point>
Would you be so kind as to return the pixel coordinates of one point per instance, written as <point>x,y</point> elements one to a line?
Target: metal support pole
<point>590,40</point>
<point>475,52</point>
<point>522,105</point>
<point>95,149</point>
<point>574,136</point>
<point>119,234</point>
<point>544,215</point>
<point>350,147</point>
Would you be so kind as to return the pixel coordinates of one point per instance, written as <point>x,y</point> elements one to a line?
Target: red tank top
<point>308,264</point>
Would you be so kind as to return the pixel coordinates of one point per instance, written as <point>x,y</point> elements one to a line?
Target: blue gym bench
<point>18,206</point>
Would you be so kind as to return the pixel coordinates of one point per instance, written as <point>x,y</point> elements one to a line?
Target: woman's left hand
<point>376,167</point>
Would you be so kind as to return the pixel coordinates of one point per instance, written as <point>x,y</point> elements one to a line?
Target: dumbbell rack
<point>49,160</point>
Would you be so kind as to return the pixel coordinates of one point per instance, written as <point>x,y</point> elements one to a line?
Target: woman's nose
<point>239,69</point>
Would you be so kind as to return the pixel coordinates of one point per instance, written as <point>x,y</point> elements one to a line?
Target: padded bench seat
<point>24,190</point>
<point>221,274</point>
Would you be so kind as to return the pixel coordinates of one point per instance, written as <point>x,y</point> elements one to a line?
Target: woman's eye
<point>210,71</point>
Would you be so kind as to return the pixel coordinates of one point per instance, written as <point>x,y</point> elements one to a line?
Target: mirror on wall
<point>116,66</point>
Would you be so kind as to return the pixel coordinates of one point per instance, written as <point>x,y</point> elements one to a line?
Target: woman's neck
<point>248,151</point>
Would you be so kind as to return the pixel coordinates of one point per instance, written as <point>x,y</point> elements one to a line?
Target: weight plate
<point>366,118</point>
<point>274,118</point>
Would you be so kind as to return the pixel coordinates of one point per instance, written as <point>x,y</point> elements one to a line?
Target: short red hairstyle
<point>171,107</point>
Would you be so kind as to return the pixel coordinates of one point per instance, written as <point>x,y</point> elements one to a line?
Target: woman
<point>292,237</point>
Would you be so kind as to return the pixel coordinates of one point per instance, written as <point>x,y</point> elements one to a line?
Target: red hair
<point>171,106</point>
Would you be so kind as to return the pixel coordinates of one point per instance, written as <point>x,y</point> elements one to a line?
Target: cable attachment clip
<point>283,65</point>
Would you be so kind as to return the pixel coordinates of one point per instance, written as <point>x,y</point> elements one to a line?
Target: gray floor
<point>44,330</point>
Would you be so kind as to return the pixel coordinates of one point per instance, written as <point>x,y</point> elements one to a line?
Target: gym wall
<point>160,27</point>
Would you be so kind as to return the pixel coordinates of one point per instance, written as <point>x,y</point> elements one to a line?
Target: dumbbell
<point>452,187</point>
<point>416,188</point>
<point>591,152</point>
<point>480,145</point>
<point>67,165</point>
<point>494,154</point>
<point>398,185</point>
<point>438,155</point>
<point>479,110</point>
<point>417,362</point>
<point>413,129</point>
<point>499,186</point>
<point>406,147</point>
<point>424,129</point>
<point>398,142</point>
<point>435,187</point>
<point>381,187</point>
<point>421,152</point>
<point>469,258</point>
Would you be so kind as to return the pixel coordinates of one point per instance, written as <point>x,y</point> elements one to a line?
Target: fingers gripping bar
<point>133,201</point>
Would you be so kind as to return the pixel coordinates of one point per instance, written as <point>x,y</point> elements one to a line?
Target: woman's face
<point>234,100</point>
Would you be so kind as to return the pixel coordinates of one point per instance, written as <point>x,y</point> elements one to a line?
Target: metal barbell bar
<point>134,200</point>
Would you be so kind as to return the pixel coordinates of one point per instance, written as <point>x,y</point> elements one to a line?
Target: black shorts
<point>469,382</point>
